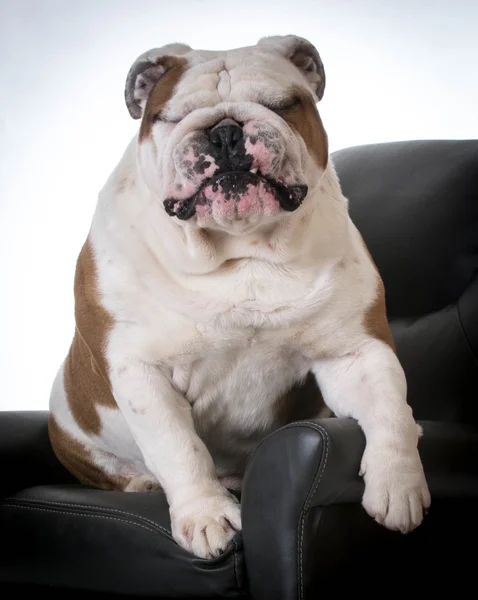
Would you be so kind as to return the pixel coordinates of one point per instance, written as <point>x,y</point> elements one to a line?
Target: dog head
<point>230,140</point>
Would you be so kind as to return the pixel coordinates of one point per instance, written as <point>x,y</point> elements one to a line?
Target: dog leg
<point>369,386</point>
<point>204,515</point>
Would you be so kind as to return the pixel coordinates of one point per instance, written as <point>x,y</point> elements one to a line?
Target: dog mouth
<point>238,193</point>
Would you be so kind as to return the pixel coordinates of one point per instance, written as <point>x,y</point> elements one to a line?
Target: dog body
<point>221,284</point>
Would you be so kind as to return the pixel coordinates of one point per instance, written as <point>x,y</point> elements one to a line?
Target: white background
<point>396,70</point>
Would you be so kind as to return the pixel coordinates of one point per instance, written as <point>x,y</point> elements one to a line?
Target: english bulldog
<point>222,292</point>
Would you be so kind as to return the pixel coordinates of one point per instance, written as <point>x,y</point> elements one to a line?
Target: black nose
<point>227,147</point>
<point>226,137</point>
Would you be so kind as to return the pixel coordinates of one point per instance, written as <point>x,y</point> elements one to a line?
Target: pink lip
<point>238,192</point>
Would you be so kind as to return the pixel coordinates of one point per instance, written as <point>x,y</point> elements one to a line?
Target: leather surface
<point>66,535</point>
<point>16,590</point>
<point>416,206</point>
<point>26,454</point>
<point>75,537</point>
<point>310,467</point>
<point>346,551</point>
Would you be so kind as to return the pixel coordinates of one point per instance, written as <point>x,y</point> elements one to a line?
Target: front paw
<point>206,523</point>
<point>396,492</point>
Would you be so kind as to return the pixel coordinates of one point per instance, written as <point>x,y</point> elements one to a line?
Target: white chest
<point>235,389</point>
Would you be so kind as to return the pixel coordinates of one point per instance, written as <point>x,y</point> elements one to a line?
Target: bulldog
<point>223,291</point>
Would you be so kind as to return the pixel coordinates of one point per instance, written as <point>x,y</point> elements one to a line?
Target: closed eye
<point>285,105</point>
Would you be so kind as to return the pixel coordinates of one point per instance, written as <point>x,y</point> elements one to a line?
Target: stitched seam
<point>153,531</point>
<point>310,496</point>
<point>86,506</point>
<point>235,566</point>
<point>277,431</point>
<point>78,514</point>
<point>236,574</point>
<point>301,540</point>
<point>313,489</point>
<point>325,437</point>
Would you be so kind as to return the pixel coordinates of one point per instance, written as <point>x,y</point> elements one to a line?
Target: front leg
<point>204,515</point>
<point>369,386</point>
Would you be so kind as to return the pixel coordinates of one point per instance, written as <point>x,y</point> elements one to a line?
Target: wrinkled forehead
<point>241,75</point>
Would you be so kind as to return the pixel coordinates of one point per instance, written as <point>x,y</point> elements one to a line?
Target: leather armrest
<point>306,475</point>
<point>26,455</point>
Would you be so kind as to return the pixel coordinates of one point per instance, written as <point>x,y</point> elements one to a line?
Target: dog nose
<point>226,136</point>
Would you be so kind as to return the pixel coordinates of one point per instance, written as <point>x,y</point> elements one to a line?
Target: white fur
<point>203,346</point>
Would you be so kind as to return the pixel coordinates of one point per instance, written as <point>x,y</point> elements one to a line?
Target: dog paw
<point>396,492</point>
<point>206,524</point>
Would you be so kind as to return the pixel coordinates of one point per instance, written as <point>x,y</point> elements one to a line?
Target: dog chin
<point>237,201</point>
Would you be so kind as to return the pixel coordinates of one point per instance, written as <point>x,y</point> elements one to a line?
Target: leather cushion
<point>416,205</point>
<point>72,536</point>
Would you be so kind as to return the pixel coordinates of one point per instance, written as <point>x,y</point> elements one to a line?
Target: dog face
<point>230,140</point>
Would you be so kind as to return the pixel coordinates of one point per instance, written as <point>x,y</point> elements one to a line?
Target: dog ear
<point>303,55</point>
<point>145,72</point>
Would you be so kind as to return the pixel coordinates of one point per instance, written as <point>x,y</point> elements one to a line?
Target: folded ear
<point>145,72</point>
<point>303,55</point>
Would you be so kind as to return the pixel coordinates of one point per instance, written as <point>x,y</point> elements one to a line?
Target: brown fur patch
<point>86,372</point>
<point>77,459</point>
<point>301,402</point>
<point>161,92</point>
<point>375,319</point>
<point>305,119</point>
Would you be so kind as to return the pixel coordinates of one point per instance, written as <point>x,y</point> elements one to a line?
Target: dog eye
<point>296,102</point>
<point>285,106</point>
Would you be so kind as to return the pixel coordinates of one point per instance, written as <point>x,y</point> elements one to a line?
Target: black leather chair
<point>305,533</point>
